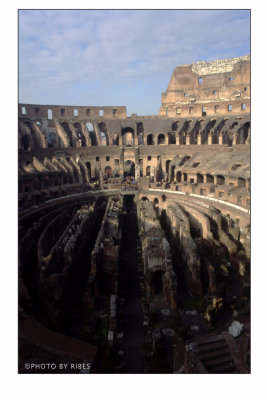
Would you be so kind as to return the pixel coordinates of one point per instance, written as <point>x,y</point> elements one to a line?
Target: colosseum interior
<point>134,232</point>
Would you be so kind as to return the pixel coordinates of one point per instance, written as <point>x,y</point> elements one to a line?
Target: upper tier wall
<point>76,112</point>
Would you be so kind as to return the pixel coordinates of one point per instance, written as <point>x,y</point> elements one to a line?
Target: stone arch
<point>175,125</point>
<point>26,142</point>
<point>104,136</point>
<point>67,129</point>
<point>245,133</point>
<point>88,165</point>
<point>220,180</point>
<point>140,133</point>
<point>210,178</point>
<point>36,134</point>
<point>148,170</point>
<point>161,139</point>
<point>241,182</point>
<point>108,171</point>
<point>200,178</point>
<point>127,136</point>
<point>97,173</point>
<point>172,173</point>
<point>92,133</point>
<point>52,140</point>
<point>179,177</point>
<point>168,166</point>
<point>103,139</point>
<point>150,139</point>
<point>80,135</point>
<point>115,139</point>
<point>184,159</point>
<point>159,172</point>
<point>172,137</point>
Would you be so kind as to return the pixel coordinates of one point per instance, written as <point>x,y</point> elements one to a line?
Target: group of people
<point>129,183</point>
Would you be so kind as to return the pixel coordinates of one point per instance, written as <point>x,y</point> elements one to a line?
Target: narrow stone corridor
<point>131,318</point>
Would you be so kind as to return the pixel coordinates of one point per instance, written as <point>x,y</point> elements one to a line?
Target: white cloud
<point>59,49</point>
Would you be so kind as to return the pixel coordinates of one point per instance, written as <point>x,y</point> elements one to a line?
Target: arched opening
<point>159,173</point>
<point>172,138</point>
<point>150,139</point>
<point>156,283</point>
<point>167,166</point>
<point>241,182</point>
<point>233,125</point>
<point>200,178</point>
<point>127,137</point>
<point>92,133</point>
<point>90,126</point>
<point>51,140</point>
<point>115,140</point>
<point>129,168</point>
<point>148,170</point>
<point>108,172</point>
<point>26,142</point>
<point>172,173</point>
<point>144,199</point>
<point>220,180</point>
<point>161,139</point>
<point>103,139</point>
<point>88,165</point>
<point>140,133</point>
<point>35,135</point>
<point>175,126</point>
<point>210,178</point>
<point>185,176</point>
<point>246,128</point>
<point>184,159</point>
<point>97,174</point>
<point>141,138</point>
<point>79,132</point>
<point>66,128</point>
<point>179,177</point>
<point>103,134</point>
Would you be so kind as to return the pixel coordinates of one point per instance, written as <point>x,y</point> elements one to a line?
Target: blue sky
<point>119,57</point>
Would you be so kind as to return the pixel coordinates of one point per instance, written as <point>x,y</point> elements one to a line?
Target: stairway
<point>215,356</point>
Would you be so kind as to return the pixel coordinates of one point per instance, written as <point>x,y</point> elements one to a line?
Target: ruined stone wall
<point>40,111</point>
<point>222,87</point>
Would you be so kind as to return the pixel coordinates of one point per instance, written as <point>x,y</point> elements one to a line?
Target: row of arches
<point>179,177</point>
<point>78,135</point>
